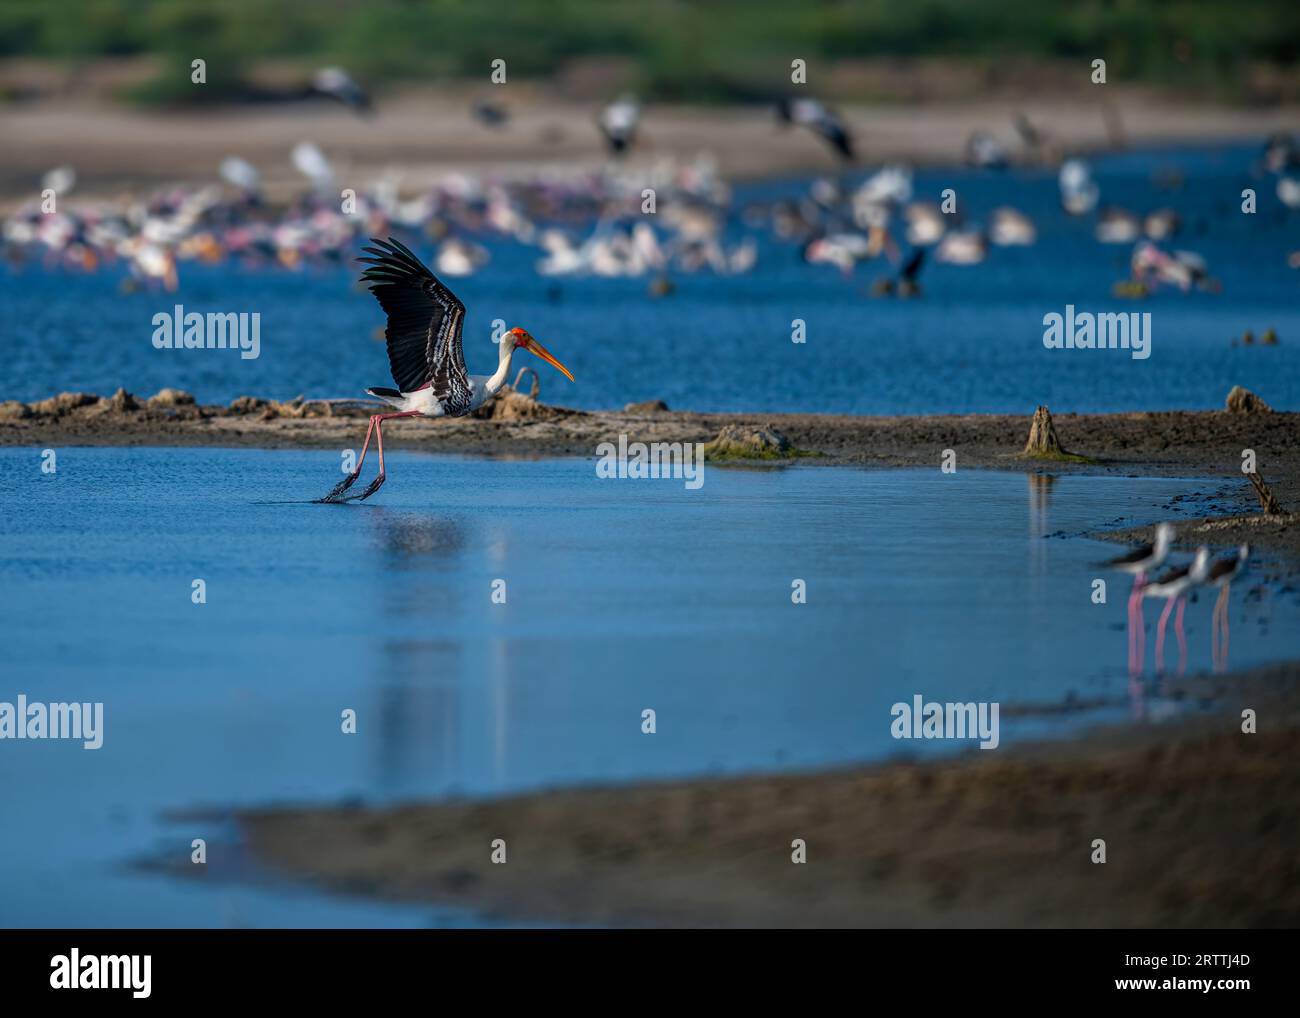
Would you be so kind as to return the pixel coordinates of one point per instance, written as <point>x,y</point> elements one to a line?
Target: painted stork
<point>424,352</point>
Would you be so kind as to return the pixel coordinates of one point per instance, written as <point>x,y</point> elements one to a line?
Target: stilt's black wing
<point>424,325</point>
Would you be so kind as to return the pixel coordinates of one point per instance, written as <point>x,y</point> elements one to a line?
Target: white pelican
<point>925,223</point>
<point>1010,227</point>
<point>311,162</point>
<point>1117,226</point>
<point>424,351</point>
<point>962,247</point>
<point>1079,192</point>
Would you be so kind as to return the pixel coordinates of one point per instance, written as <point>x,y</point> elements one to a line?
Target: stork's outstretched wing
<point>424,325</point>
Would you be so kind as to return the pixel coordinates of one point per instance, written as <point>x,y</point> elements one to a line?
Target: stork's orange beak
<point>532,346</point>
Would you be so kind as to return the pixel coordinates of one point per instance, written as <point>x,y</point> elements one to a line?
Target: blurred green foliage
<point>676,49</point>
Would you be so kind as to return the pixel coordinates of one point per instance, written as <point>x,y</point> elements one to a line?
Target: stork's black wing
<point>424,325</point>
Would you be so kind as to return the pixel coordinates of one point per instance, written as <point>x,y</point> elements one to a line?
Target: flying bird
<point>424,351</point>
<point>824,123</point>
<point>338,84</point>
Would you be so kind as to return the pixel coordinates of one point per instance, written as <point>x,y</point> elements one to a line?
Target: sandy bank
<point>428,137</point>
<point>1200,823</point>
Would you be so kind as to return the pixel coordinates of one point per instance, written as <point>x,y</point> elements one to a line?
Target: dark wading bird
<point>424,351</point>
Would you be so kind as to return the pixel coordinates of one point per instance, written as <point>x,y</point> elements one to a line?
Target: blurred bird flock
<point>596,223</point>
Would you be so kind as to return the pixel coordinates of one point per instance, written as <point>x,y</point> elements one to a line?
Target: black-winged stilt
<point>1173,587</point>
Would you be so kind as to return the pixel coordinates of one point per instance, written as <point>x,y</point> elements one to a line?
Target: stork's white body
<point>482,388</point>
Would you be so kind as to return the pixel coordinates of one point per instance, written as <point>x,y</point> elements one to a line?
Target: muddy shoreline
<point>1200,822</point>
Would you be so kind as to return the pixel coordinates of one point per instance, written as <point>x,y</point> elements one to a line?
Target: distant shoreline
<point>429,138</point>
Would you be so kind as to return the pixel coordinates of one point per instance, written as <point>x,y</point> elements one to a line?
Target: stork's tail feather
<point>389,396</point>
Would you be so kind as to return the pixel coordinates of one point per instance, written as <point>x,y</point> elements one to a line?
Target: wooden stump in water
<point>1267,500</point>
<point>1042,435</point>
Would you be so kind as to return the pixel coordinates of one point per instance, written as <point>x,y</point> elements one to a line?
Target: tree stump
<point>1267,500</point>
<point>1243,401</point>
<point>1042,435</point>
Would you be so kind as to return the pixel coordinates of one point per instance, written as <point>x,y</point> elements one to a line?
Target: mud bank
<point>1199,819</point>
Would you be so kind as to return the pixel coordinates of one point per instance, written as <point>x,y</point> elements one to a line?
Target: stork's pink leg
<point>351,479</point>
<point>378,482</point>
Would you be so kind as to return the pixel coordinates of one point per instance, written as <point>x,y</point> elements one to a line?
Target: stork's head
<point>518,338</point>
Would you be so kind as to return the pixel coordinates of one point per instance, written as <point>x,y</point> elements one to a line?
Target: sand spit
<point>1200,822</point>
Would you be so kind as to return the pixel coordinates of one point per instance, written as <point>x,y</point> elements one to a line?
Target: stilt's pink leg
<point>1182,636</point>
<point>1223,640</point>
<point>1160,635</point>
<point>1139,616</point>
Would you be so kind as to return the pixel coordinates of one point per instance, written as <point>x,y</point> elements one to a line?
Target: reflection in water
<point>1219,630</point>
<point>419,704</point>
<point>1040,497</point>
<point>417,540</point>
<point>419,701</point>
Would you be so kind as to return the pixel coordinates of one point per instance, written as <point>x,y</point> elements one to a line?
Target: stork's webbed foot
<point>341,487</point>
<point>375,485</point>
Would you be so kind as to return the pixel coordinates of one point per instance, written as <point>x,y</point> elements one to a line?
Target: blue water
<point>972,343</point>
<point>620,596</point>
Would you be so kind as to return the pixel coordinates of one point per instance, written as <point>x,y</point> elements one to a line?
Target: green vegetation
<point>672,49</point>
